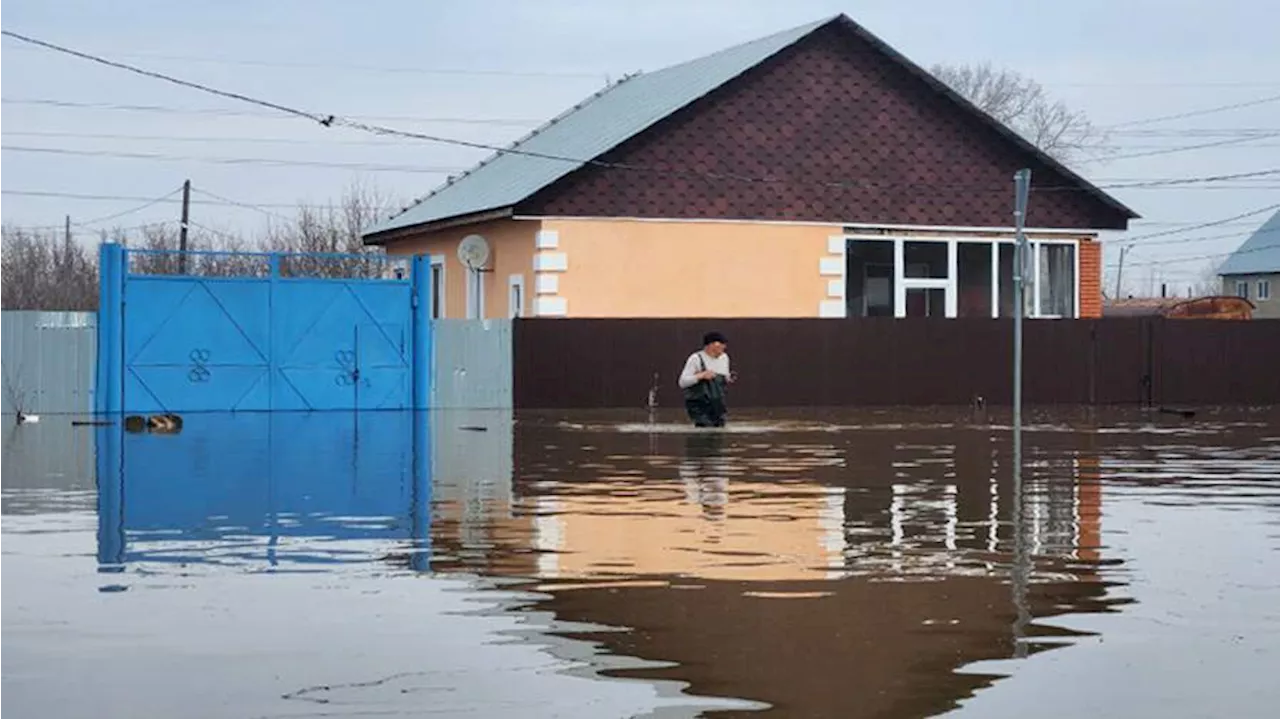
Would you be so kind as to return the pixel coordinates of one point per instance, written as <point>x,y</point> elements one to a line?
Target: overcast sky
<point>444,67</point>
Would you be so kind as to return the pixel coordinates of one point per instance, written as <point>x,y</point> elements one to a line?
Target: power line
<point>1187,148</point>
<point>246,205</point>
<point>130,211</point>
<point>1198,113</point>
<point>369,68</point>
<point>1203,225</point>
<point>221,112</point>
<point>263,161</point>
<point>1195,258</point>
<point>85,224</point>
<point>334,120</point>
<point>392,143</point>
<point>206,139</point>
<point>135,198</point>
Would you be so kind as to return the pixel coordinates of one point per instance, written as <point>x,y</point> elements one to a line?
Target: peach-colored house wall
<point>630,268</point>
<point>511,253</point>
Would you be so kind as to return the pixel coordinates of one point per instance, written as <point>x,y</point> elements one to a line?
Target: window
<point>515,296</point>
<point>1264,289</point>
<point>958,277</point>
<point>1242,290</point>
<point>1056,280</point>
<point>437,287</point>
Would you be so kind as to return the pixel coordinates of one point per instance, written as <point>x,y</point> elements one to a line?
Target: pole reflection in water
<point>269,491</point>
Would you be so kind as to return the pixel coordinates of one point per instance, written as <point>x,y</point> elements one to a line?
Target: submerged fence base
<point>789,363</point>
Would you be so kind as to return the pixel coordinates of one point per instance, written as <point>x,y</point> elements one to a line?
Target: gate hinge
<point>413,299</point>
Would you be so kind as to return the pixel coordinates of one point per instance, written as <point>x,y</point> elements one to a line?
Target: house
<point>1195,308</point>
<point>1253,269</point>
<point>812,173</point>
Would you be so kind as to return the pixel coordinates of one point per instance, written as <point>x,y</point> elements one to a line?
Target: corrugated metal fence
<point>47,361</point>
<point>788,362</point>
<point>472,364</point>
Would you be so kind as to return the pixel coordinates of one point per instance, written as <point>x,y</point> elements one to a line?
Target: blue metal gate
<point>219,332</point>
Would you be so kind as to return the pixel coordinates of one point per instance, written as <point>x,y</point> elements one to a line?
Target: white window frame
<point>475,294</point>
<point>515,307</point>
<point>439,261</point>
<point>1242,289</point>
<point>951,284</point>
<point>1264,290</point>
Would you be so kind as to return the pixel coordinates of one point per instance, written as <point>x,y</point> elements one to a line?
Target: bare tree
<point>1022,104</point>
<point>1208,283</point>
<point>44,270</point>
<point>335,231</point>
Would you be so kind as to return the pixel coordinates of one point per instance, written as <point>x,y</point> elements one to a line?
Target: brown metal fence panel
<point>599,363</point>
<point>1218,362</point>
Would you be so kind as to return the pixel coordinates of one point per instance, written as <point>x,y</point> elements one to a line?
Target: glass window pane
<point>1057,281</point>
<point>927,303</point>
<point>1007,250</point>
<point>869,278</point>
<point>973,263</point>
<point>925,260</point>
<point>1006,279</point>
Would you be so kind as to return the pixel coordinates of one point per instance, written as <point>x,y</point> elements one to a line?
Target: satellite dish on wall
<point>473,251</point>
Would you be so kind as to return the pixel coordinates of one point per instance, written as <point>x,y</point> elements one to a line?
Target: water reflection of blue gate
<point>215,331</point>
<point>279,488</point>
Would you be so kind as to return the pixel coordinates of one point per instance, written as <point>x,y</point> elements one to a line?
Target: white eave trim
<point>839,226</point>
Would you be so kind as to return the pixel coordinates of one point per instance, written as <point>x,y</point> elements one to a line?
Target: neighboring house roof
<point>1260,254</point>
<point>620,112</point>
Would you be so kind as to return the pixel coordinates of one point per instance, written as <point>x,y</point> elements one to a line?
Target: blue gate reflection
<point>275,489</point>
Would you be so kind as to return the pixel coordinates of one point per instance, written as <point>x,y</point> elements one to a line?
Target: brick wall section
<point>1090,279</point>
<point>845,134</point>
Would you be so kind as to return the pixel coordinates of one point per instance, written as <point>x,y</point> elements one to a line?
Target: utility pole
<point>1021,564</point>
<point>1120,270</point>
<point>182,229</point>
<point>1022,187</point>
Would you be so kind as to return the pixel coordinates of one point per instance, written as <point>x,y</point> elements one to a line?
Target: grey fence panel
<point>47,361</point>
<point>472,366</point>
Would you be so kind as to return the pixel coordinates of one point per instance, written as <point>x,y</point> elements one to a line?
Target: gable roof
<point>620,112</point>
<point>1260,254</point>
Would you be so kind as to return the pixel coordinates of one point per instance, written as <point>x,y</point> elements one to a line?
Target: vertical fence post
<point>420,278</point>
<point>108,390</point>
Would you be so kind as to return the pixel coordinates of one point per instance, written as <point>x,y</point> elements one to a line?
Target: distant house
<point>811,173</point>
<point>1254,269</point>
<point>1181,308</point>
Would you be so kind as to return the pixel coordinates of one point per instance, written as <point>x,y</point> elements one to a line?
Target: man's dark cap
<point>710,337</point>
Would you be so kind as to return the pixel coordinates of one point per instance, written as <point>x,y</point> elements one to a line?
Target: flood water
<point>871,563</point>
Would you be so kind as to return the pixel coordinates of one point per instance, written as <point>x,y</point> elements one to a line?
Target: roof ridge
<point>812,27</point>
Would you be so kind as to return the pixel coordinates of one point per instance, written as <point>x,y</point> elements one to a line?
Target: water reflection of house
<point>609,504</point>
<point>833,575</point>
<point>707,516</point>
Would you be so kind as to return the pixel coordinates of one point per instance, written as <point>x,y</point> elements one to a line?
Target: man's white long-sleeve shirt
<point>700,361</point>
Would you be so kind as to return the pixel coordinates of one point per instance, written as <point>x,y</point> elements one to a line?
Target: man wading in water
<point>703,380</point>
